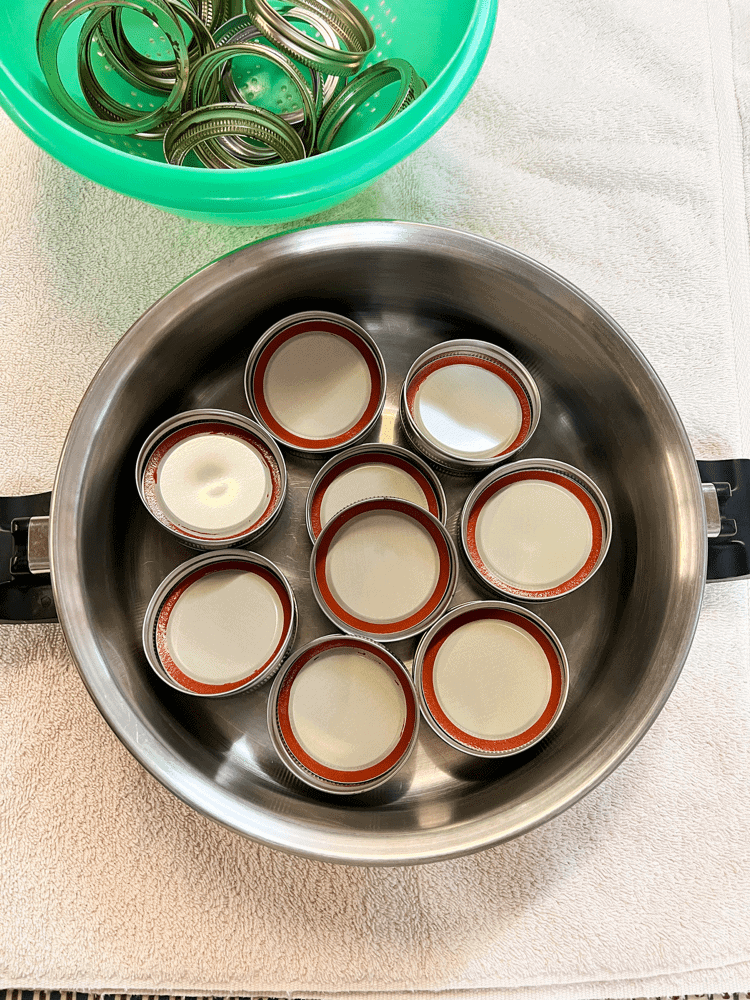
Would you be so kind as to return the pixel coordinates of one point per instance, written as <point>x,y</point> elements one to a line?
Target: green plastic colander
<point>445,40</point>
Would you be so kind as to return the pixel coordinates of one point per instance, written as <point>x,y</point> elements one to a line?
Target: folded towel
<point>604,139</point>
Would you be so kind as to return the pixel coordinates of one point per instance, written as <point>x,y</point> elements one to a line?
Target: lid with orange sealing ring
<point>212,478</point>
<point>492,678</point>
<point>535,530</point>
<point>343,714</point>
<point>384,568</point>
<point>316,381</point>
<point>468,405</point>
<point>372,470</point>
<point>220,623</point>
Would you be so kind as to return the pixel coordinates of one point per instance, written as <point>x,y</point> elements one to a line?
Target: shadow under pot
<point>535,530</point>
<point>492,678</point>
<point>316,381</point>
<point>220,623</point>
<point>468,405</point>
<point>212,478</point>
<point>343,714</point>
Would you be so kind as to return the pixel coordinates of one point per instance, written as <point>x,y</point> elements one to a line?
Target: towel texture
<point>604,139</point>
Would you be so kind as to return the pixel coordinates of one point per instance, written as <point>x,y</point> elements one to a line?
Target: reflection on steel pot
<point>626,633</point>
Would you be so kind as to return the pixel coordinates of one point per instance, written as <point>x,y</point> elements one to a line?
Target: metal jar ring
<point>106,107</point>
<point>139,70</point>
<point>296,44</point>
<point>241,29</point>
<point>238,30</point>
<point>192,129</point>
<point>101,102</point>
<point>211,12</point>
<point>57,17</point>
<point>104,37</point>
<point>332,84</point>
<point>362,88</point>
<point>204,70</point>
<point>342,16</point>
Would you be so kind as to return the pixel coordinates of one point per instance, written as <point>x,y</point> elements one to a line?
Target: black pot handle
<point>726,490</point>
<point>25,585</point>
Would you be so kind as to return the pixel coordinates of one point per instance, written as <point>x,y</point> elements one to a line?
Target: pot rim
<point>146,743</point>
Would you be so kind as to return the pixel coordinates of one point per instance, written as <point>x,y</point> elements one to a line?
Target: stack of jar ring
<point>204,110</point>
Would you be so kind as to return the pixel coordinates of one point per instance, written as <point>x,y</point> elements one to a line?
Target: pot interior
<point>626,631</point>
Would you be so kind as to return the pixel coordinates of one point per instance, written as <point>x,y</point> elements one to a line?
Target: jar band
<point>139,70</point>
<point>344,18</point>
<point>362,88</point>
<point>57,17</point>
<point>205,69</point>
<point>192,129</point>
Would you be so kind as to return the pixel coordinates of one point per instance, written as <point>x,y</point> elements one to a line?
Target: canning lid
<point>371,470</point>
<point>468,405</point>
<point>343,714</point>
<point>536,529</point>
<point>316,381</point>
<point>220,623</point>
<point>212,478</point>
<point>492,678</point>
<point>384,568</point>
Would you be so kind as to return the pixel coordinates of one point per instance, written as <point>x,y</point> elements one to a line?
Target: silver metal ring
<point>208,66</point>
<point>211,12</point>
<point>361,88</point>
<point>139,70</point>
<point>344,18</point>
<point>192,130</point>
<point>241,29</point>
<point>55,21</point>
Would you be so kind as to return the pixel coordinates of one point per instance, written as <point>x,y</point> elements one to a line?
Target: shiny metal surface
<point>355,97</point>
<point>277,739</point>
<point>417,625</point>
<point>375,450</point>
<point>349,23</point>
<point>315,448</point>
<point>37,543</point>
<point>241,29</point>
<point>713,513</point>
<point>193,537</point>
<point>203,79</point>
<point>626,633</point>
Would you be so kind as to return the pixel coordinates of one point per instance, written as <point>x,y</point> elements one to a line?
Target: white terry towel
<point>604,139</point>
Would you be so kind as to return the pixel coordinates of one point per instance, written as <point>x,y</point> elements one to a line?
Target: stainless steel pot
<point>626,633</point>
